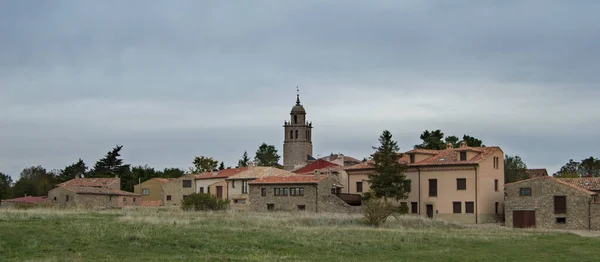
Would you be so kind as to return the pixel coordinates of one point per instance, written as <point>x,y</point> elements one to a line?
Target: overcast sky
<point>171,80</point>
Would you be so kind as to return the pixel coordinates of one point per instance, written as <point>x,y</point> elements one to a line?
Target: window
<point>301,191</point>
<point>208,189</point>
<point>463,156</point>
<point>497,204</point>
<point>456,207</point>
<point>201,190</point>
<point>414,206</point>
<point>168,197</point>
<point>469,207</point>
<point>281,191</point>
<point>232,183</point>
<point>240,201</point>
<point>296,134</point>
<point>496,162</point>
<point>496,185</point>
<point>301,207</point>
<point>54,198</point>
<point>187,183</point>
<point>244,186</point>
<point>295,119</point>
<point>263,192</point>
<point>270,207</point>
<point>296,191</point>
<point>412,158</point>
<point>145,192</point>
<point>461,184</point>
<point>432,187</point>
<point>525,191</point>
<point>561,220</point>
<point>291,134</point>
<point>67,198</point>
<point>359,188</point>
<point>560,204</point>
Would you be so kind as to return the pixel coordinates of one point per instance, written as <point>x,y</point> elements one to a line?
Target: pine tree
<point>72,171</point>
<point>266,155</point>
<point>112,166</point>
<point>204,164</point>
<point>389,180</point>
<point>244,161</point>
<point>222,166</point>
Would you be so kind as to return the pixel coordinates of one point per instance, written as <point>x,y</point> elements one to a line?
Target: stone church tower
<point>297,143</point>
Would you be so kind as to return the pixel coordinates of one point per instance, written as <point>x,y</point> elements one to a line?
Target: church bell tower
<point>297,142</point>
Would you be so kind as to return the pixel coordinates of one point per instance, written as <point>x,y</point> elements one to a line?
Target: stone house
<point>93,193</point>
<point>214,182</point>
<point>151,191</point>
<point>300,192</point>
<point>237,185</point>
<point>548,202</point>
<point>177,189</point>
<point>463,185</point>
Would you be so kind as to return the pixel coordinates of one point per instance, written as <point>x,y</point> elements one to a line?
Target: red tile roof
<point>446,157</point>
<point>91,182</point>
<point>560,181</point>
<point>98,191</point>
<point>225,173</point>
<point>27,200</point>
<point>319,164</point>
<point>297,179</point>
<point>589,183</point>
<point>537,172</point>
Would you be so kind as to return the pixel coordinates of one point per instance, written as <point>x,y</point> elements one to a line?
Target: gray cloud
<point>174,80</point>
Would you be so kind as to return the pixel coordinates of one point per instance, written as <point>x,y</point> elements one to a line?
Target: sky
<point>170,80</point>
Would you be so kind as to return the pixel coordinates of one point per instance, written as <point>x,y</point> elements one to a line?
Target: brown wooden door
<point>523,218</point>
<point>430,211</point>
<point>220,192</point>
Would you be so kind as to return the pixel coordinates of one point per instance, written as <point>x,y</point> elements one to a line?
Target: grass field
<point>162,235</point>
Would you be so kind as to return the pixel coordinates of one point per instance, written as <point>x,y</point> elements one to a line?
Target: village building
<point>214,182</point>
<point>314,193</point>
<point>553,203</point>
<point>462,184</point>
<point>93,193</point>
<point>536,172</point>
<point>27,201</point>
<point>237,185</point>
<point>341,159</point>
<point>177,189</point>
<point>151,191</point>
<point>297,144</point>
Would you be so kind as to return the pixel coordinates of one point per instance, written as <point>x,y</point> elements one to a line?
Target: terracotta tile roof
<point>27,200</point>
<point>325,170</point>
<point>537,172</point>
<point>91,182</point>
<point>589,183</point>
<point>221,174</point>
<point>446,157</point>
<point>259,171</point>
<point>321,163</point>
<point>555,180</point>
<point>297,179</point>
<point>98,191</point>
<point>153,203</point>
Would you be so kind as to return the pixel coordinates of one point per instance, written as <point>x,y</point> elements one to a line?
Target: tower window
<point>291,134</point>
<point>296,134</point>
<point>295,119</point>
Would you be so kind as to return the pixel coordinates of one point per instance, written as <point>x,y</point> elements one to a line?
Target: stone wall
<point>595,215</point>
<point>541,200</point>
<point>59,196</point>
<point>176,191</point>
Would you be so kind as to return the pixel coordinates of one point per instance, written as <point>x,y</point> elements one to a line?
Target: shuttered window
<point>469,207</point>
<point>560,204</point>
<point>457,207</point>
<point>414,206</point>
<point>461,184</point>
<point>432,187</point>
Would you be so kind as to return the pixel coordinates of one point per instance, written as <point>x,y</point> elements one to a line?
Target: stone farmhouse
<point>237,185</point>
<point>548,202</point>
<point>462,184</point>
<point>299,192</point>
<point>177,189</point>
<point>151,191</point>
<point>93,193</point>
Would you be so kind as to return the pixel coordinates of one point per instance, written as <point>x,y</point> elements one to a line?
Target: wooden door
<point>523,218</point>
<point>220,192</point>
<point>430,211</point>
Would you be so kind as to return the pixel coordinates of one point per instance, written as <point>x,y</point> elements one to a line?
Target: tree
<point>244,161</point>
<point>222,166</point>
<point>144,173</point>
<point>569,170</point>
<point>72,171</point>
<point>472,141</point>
<point>454,140</point>
<point>5,186</point>
<point>432,140</point>
<point>514,169</point>
<point>172,173</point>
<point>266,155</point>
<point>34,181</point>
<point>590,166</point>
<point>112,166</point>
<point>389,180</point>
<point>204,164</point>
<point>364,160</point>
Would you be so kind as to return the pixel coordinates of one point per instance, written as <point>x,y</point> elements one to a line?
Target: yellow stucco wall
<point>155,188</point>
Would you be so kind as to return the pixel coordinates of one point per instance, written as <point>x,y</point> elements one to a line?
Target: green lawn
<point>159,235</point>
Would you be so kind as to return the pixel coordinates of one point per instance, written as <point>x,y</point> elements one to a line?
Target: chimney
<point>463,144</point>
<point>449,145</point>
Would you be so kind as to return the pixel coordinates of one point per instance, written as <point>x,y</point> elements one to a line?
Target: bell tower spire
<point>297,142</point>
<point>297,96</point>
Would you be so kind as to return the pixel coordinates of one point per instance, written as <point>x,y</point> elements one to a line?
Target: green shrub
<point>403,208</point>
<point>376,211</point>
<point>203,202</point>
